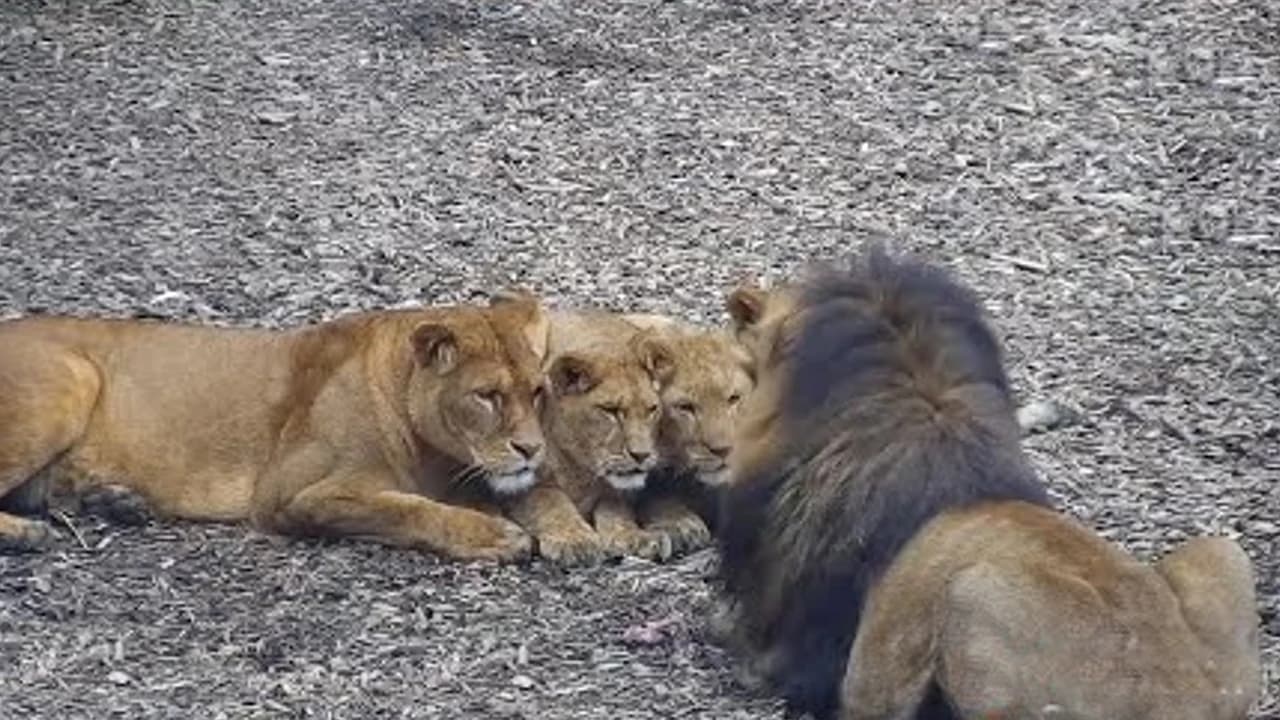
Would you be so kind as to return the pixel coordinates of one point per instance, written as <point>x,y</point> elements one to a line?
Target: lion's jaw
<point>514,482</point>
<point>627,482</point>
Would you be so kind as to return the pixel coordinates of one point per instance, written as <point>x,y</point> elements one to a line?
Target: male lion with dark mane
<point>889,552</point>
<point>407,427</point>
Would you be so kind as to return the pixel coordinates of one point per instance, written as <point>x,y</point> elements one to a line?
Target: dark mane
<point>897,408</point>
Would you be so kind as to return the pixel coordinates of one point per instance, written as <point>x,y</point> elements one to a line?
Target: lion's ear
<point>536,327</point>
<point>515,295</point>
<point>537,331</point>
<point>746,305</point>
<point>656,356</point>
<point>435,345</point>
<point>571,375</point>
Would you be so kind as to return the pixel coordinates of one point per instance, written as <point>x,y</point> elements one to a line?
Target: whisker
<point>468,475</point>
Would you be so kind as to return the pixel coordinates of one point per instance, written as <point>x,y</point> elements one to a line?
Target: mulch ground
<point>1107,174</point>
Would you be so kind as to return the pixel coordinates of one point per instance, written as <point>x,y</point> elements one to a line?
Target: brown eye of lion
<point>735,398</point>
<point>614,410</point>
<point>652,410</point>
<point>491,399</point>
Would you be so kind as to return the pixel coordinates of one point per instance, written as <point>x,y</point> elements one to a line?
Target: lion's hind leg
<point>1212,578</point>
<point>46,396</point>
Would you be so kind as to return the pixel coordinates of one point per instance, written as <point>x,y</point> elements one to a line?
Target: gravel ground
<point>1107,174</point>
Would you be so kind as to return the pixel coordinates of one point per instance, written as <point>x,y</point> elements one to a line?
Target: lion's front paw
<point>21,535</point>
<point>647,544</point>
<point>575,547</point>
<point>686,534</point>
<point>494,538</point>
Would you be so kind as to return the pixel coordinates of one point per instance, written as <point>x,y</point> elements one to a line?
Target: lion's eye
<point>735,398</point>
<point>652,410</point>
<point>614,411</point>
<point>491,399</point>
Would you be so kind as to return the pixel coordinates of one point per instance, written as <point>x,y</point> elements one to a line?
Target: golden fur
<point>701,397</point>
<point>889,553</point>
<point>601,420</point>
<point>386,425</point>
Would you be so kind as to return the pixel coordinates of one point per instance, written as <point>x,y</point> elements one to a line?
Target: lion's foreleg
<point>368,506</point>
<point>673,518</point>
<point>615,520</point>
<point>893,659</point>
<point>563,535</point>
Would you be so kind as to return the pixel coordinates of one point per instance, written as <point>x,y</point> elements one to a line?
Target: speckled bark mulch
<point>1106,173</point>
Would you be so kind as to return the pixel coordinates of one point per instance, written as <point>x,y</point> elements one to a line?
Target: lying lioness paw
<point>888,551</point>
<point>701,396</point>
<point>601,421</point>
<point>407,427</point>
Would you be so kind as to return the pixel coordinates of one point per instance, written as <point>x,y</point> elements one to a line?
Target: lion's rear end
<point>1033,611</point>
<point>178,413</point>
<point>894,407</point>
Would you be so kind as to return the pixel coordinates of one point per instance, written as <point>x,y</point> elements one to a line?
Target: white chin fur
<point>512,483</point>
<point>714,477</point>
<point>630,482</point>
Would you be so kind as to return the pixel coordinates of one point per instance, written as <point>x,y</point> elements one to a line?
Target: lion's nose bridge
<point>526,430</point>
<point>639,439</point>
<point>717,437</point>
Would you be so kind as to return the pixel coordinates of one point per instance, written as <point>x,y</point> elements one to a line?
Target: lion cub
<point>701,396</point>
<point>601,421</point>
<point>392,426</point>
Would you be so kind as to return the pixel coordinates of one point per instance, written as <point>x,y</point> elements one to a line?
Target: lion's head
<point>604,408</point>
<point>701,397</point>
<point>478,386</point>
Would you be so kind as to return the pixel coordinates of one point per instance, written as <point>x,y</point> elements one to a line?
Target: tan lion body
<point>601,422</point>
<point>344,428</point>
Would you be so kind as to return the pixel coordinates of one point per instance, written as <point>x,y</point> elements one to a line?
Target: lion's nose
<point>527,449</point>
<point>639,456</point>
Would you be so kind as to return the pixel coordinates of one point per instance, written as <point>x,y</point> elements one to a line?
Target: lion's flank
<point>897,407</point>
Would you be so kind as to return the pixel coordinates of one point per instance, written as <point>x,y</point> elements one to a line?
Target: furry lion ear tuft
<point>528,307</point>
<point>507,296</point>
<point>571,375</point>
<point>435,345</point>
<point>656,356</point>
<point>746,304</point>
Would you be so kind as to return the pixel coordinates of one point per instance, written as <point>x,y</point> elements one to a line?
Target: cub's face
<point>478,388</point>
<point>604,409</point>
<point>700,404</point>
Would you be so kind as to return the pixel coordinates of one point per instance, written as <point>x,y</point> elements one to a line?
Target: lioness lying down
<point>891,554</point>
<point>405,427</point>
